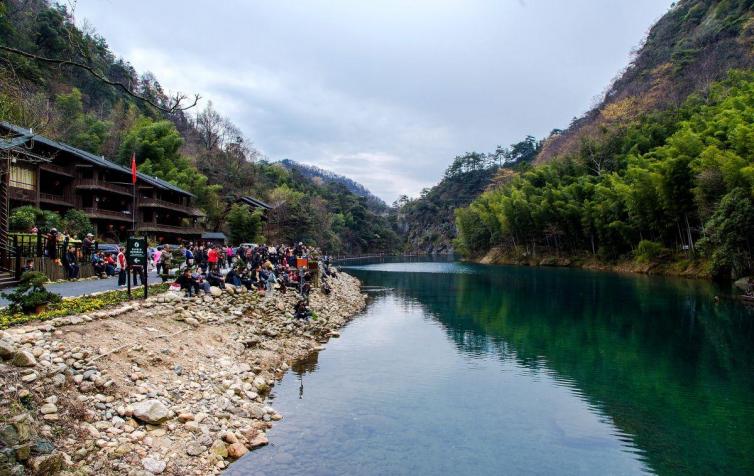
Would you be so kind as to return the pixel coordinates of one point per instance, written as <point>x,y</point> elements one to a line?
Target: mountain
<point>66,84</point>
<point>659,178</point>
<point>428,222</point>
<point>693,45</point>
<point>319,176</point>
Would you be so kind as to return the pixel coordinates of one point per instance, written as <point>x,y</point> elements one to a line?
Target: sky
<point>386,92</point>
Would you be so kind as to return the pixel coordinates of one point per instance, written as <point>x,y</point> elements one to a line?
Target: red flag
<point>133,168</point>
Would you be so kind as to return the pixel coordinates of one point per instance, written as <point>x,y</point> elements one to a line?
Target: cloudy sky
<point>386,92</point>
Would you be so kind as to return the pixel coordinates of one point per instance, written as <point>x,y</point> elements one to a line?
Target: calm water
<point>466,369</point>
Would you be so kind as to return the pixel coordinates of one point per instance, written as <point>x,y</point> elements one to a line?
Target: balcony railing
<point>60,170</point>
<point>17,193</point>
<point>156,202</point>
<point>186,230</point>
<point>65,199</point>
<point>102,213</point>
<point>102,185</point>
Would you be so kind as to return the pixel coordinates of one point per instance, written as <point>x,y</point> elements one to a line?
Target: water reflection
<point>669,366</point>
<point>466,369</point>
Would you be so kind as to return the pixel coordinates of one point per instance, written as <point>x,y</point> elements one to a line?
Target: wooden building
<point>55,176</point>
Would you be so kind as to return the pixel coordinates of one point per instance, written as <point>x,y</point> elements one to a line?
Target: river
<point>456,368</point>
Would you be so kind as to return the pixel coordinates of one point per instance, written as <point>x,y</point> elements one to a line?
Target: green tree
<point>244,224</point>
<point>77,223</point>
<point>730,233</point>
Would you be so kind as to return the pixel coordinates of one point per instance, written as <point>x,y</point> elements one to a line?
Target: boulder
<point>215,291</point>
<point>152,411</point>
<point>258,441</point>
<point>236,450</point>
<point>7,349</point>
<point>24,358</point>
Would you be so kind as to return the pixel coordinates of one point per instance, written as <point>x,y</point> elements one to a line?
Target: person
<point>189,255</point>
<point>69,261</point>
<point>301,310</point>
<point>271,281</point>
<point>156,260</point>
<point>98,263</point>
<point>188,282</point>
<point>110,264</point>
<point>233,277</point>
<point>87,245</point>
<point>51,248</point>
<point>122,276</point>
<point>212,257</point>
<point>29,266</point>
<point>215,278</point>
<point>201,282</point>
<point>165,259</point>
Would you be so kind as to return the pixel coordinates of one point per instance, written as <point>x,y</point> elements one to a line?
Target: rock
<point>230,438</point>
<point>29,378</point>
<point>742,284</point>
<point>7,349</point>
<point>23,358</point>
<point>152,411</point>
<point>192,321</point>
<point>153,464</point>
<point>48,408</point>
<point>184,417</point>
<point>42,447</point>
<point>9,435</point>
<point>236,450</point>
<point>258,441</point>
<point>215,291</point>
<point>49,464</point>
<point>194,449</point>
<point>219,449</point>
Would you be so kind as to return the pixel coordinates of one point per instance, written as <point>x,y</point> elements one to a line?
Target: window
<point>23,177</point>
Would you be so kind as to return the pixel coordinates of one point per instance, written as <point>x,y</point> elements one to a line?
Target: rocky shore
<point>170,385</point>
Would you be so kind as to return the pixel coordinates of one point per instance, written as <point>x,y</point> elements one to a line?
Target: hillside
<point>428,221</point>
<point>320,176</point>
<point>690,47</point>
<point>66,84</point>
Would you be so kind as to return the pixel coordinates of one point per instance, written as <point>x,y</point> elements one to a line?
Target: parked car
<point>108,248</point>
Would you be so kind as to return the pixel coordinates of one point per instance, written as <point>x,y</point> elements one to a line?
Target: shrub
<point>30,293</point>
<point>648,251</point>
<point>26,217</point>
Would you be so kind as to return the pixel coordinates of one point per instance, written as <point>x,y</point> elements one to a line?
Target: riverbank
<point>680,268</point>
<point>165,386</point>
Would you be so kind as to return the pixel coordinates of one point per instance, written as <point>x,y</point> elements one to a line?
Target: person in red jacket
<point>212,257</point>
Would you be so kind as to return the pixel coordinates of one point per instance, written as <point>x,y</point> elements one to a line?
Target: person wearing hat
<point>87,246</point>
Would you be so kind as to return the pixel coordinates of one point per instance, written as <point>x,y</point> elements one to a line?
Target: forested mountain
<point>319,176</point>
<point>672,188</point>
<point>65,83</point>
<point>690,47</point>
<point>428,221</point>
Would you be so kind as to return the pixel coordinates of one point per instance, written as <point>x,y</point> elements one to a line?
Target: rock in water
<point>152,411</point>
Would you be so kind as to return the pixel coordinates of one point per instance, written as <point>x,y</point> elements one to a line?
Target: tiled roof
<point>89,157</point>
<point>255,202</point>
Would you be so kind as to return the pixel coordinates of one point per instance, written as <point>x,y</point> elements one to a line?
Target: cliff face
<point>690,47</point>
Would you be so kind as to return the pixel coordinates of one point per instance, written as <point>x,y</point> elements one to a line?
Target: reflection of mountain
<point>658,356</point>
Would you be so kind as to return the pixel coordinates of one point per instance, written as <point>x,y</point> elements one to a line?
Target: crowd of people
<point>196,267</point>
